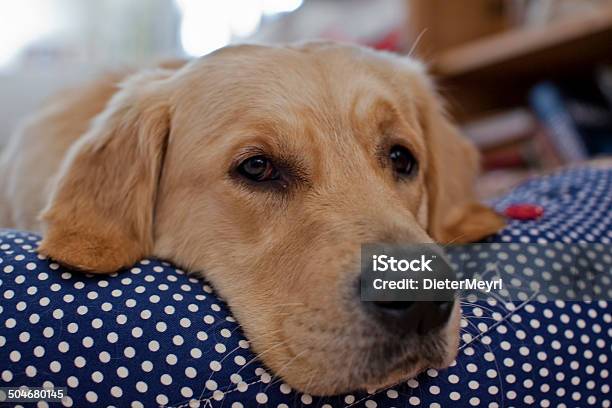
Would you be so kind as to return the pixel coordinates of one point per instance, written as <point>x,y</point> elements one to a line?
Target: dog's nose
<point>420,317</point>
<point>396,289</point>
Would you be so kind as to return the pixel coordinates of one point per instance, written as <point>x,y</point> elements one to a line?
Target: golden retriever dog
<point>264,169</point>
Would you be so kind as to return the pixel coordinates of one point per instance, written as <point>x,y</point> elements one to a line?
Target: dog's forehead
<point>311,75</point>
<point>338,93</point>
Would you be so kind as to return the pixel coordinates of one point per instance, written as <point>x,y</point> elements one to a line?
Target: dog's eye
<point>258,168</point>
<point>403,162</point>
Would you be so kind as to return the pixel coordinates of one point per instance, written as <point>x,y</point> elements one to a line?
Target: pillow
<point>153,336</point>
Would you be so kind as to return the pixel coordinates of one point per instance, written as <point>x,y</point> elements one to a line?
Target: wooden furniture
<point>495,70</point>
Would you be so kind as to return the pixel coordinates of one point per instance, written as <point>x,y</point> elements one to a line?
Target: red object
<point>524,212</point>
<point>390,42</point>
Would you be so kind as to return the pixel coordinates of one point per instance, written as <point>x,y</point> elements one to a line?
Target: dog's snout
<point>406,317</point>
<point>394,291</point>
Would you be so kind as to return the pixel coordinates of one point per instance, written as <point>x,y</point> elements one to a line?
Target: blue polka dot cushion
<point>153,336</point>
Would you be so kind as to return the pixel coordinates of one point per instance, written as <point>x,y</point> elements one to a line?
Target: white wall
<point>46,45</point>
<point>23,91</point>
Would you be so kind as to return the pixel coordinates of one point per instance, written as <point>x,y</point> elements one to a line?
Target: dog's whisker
<point>289,304</point>
<point>502,302</point>
<point>258,356</point>
<point>315,372</point>
<point>416,42</point>
<point>468,317</point>
<point>481,306</point>
<point>475,304</point>
<point>277,374</point>
<point>469,311</point>
<point>452,241</point>
<point>231,352</point>
<point>473,325</point>
<point>503,320</point>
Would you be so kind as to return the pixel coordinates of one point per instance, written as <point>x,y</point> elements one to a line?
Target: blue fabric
<point>152,336</point>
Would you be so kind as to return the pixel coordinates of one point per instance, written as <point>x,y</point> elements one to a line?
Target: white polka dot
<point>31,371</point>
<point>91,396</point>
<point>142,386</point>
<point>96,323</point>
<point>7,376</point>
<point>104,357</point>
<point>55,366</point>
<point>88,342</point>
<point>186,392</point>
<point>190,372</point>
<point>15,356</point>
<point>146,366</point>
<point>122,372</point>
<point>79,362</point>
<point>72,382</point>
<point>171,359</point>
<point>261,398</point>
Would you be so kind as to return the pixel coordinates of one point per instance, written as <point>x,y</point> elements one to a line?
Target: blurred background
<point>530,81</point>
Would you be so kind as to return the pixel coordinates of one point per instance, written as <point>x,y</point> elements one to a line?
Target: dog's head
<point>266,168</point>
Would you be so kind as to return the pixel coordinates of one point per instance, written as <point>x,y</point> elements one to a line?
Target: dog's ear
<point>455,215</point>
<point>100,214</point>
